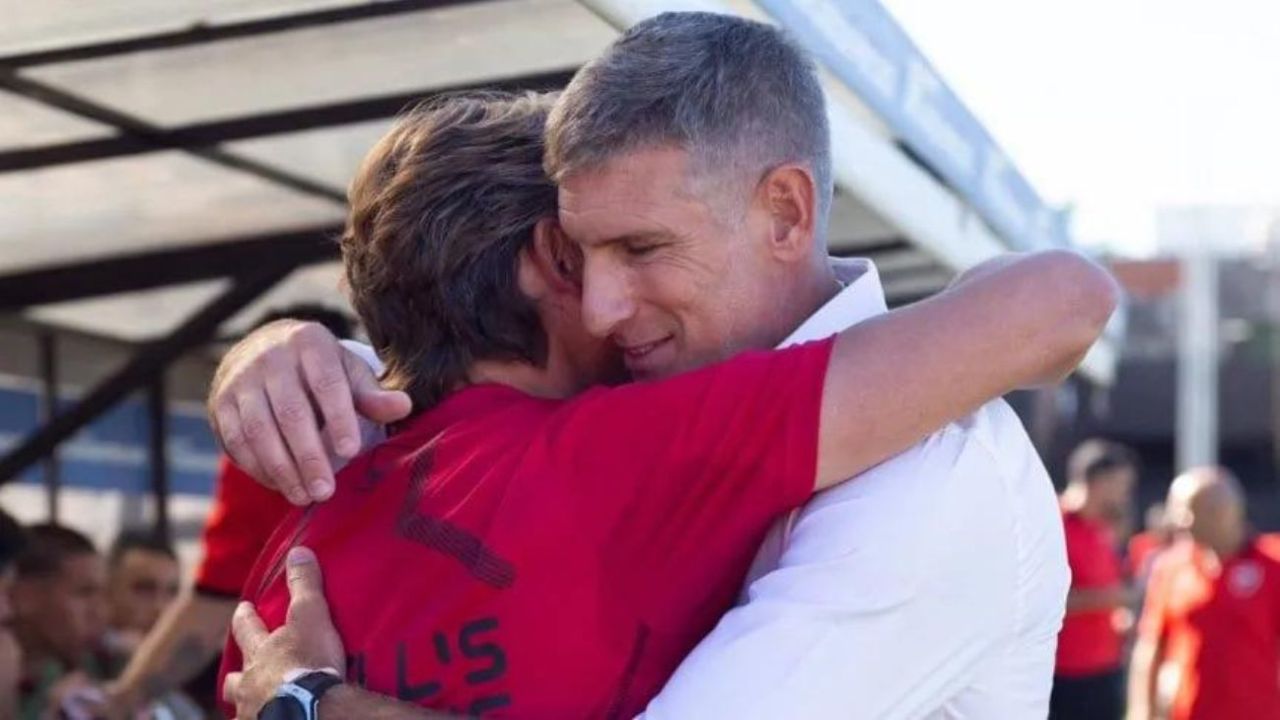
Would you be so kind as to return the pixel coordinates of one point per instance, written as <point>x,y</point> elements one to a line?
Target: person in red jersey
<point>508,551</point>
<point>1087,675</point>
<point>1209,638</point>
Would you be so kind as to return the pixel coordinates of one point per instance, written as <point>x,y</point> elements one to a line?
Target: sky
<point>1118,107</point>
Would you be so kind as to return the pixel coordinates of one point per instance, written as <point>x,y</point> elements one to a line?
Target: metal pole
<point>1198,356</point>
<point>49,373</point>
<point>159,416</point>
<point>1273,331</point>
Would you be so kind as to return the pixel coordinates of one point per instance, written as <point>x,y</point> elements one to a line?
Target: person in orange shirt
<point>1088,682</point>
<point>1209,640</point>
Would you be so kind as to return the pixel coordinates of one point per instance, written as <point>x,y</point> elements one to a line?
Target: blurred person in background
<point>1146,546</point>
<point>143,580</point>
<point>183,647</point>
<point>13,540</point>
<point>1209,639</point>
<point>59,615</point>
<point>1088,680</point>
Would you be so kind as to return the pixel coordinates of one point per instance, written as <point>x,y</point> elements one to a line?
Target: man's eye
<point>640,250</point>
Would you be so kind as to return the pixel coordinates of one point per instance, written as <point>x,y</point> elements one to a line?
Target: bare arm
<point>1024,321</point>
<point>347,702</point>
<point>1093,599</point>
<point>187,637</point>
<point>1147,655</point>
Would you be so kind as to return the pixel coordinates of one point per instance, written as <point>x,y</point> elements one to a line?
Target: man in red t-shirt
<point>1209,639</point>
<point>1087,676</point>
<point>510,551</point>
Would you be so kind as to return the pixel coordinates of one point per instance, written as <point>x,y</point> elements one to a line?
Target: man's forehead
<point>642,175</point>
<point>84,566</point>
<point>145,557</point>
<point>593,217</point>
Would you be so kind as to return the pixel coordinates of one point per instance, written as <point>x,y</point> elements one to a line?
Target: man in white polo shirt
<point>933,586</point>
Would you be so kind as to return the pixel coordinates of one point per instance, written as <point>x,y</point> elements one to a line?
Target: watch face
<point>283,708</point>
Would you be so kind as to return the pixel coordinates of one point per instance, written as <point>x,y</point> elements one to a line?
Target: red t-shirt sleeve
<point>704,460</point>
<point>243,516</point>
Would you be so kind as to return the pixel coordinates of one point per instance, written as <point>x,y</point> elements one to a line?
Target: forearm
<point>1095,599</point>
<point>1142,679</point>
<point>896,378</point>
<point>347,702</point>
<point>185,639</point>
<point>985,268</point>
<point>1064,305</point>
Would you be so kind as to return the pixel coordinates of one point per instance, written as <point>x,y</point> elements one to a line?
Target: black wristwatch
<point>298,697</point>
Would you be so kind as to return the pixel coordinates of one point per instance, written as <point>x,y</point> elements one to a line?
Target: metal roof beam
<point>192,262</point>
<point>138,137</point>
<point>145,135</point>
<point>143,367</point>
<point>201,33</point>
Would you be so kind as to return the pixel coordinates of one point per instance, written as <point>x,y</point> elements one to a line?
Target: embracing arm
<point>307,639</point>
<point>1023,320</point>
<point>289,400</point>
<point>347,702</point>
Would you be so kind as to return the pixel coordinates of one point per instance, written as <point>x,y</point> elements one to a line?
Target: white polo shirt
<point>932,586</point>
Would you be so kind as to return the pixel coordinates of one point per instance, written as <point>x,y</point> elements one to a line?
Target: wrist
<point>299,695</point>
<point>332,702</point>
<point>123,697</point>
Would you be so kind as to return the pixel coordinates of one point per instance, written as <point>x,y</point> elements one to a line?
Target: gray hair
<point>740,96</point>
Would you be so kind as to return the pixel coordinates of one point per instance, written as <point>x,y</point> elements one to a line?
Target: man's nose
<point>606,298</point>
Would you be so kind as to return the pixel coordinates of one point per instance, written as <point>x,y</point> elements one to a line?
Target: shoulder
<point>914,479</point>
<point>1177,555</point>
<point>1268,546</point>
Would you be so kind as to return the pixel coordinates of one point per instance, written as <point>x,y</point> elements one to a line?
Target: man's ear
<point>788,194</point>
<point>558,257</point>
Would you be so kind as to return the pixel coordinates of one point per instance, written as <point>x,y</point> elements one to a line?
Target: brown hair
<point>1095,458</point>
<point>440,210</point>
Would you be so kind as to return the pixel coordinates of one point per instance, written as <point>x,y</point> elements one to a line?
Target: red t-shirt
<point>1089,643</point>
<point>520,557</point>
<point>1220,628</point>
<point>243,517</point>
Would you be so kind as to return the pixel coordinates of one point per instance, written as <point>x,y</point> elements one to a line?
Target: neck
<point>825,285</point>
<point>552,381</point>
<point>1228,549</point>
<point>809,293</point>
